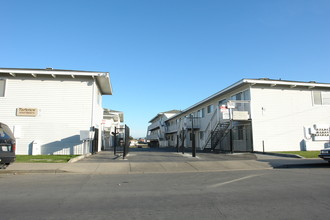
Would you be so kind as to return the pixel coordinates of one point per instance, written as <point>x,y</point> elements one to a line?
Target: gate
<point>121,141</point>
<point>95,141</point>
<point>238,139</point>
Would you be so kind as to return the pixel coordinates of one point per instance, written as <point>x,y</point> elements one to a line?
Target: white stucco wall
<point>157,129</point>
<point>279,116</point>
<point>65,107</point>
<point>97,112</point>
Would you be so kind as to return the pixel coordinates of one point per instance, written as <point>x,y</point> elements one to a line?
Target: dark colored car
<point>7,146</point>
<point>325,154</point>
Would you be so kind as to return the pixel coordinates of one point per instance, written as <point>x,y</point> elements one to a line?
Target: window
<point>202,112</point>
<point>2,87</point>
<point>223,102</point>
<point>210,109</point>
<point>317,98</point>
<point>245,95</point>
<point>321,98</point>
<point>238,96</point>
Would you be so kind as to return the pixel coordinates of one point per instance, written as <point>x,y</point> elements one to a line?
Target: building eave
<point>252,82</point>
<point>164,113</point>
<point>108,113</point>
<point>291,84</point>
<point>239,83</point>
<point>102,78</point>
<point>154,118</point>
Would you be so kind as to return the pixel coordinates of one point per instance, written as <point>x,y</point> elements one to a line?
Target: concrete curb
<point>279,154</point>
<point>17,172</point>
<point>73,160</point>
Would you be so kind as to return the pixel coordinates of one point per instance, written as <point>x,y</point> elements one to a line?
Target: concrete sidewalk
<point>135,167</point>
<point>144,161</point>
<point>163,162</point>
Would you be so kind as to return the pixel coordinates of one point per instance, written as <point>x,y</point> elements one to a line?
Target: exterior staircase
<point>216,135</point>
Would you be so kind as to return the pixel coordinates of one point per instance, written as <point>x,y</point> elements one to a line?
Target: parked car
<point>7,146</point>
<point>325,154</point>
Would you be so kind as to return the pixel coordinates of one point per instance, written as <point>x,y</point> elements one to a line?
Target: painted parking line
<point>233,181</point>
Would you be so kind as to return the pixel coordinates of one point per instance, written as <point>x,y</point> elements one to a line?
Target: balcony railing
<point>193,121</point>
<point>188,122</point>
<point>153,126</point>
<point>236,110</point>
<point>172,128</point>
<point>152,137</point>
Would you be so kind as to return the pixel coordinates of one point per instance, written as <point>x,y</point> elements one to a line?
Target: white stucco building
<point>48,108</point>
<point>112,122</point>
<point>156,130</point>
<point>256,115</point>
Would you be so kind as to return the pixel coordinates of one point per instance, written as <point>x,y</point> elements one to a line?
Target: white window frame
<point>244,95</point>
<point>324,97</point>
<point>3,90</point>
<point>202,112</point>
<point>210,109</point>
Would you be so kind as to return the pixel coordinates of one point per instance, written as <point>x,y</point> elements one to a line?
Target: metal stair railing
<point>214,121</point>
<point>219,133</point>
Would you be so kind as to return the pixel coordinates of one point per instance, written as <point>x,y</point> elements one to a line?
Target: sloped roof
<point>261,81</point>
<point>109,112</point>
<point>102,78</point>
<point>162,113</point>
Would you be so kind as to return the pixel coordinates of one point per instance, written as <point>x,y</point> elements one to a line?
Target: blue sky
<point>168,54</point>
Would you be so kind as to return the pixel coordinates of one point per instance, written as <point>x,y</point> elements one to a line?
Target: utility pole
<point>193,146</point>
<point>115,142</point>
<point>177,143</point>
<point>182,144</point>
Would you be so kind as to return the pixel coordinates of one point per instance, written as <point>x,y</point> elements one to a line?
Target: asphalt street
<point>269,187</point>
<point>260,194</point>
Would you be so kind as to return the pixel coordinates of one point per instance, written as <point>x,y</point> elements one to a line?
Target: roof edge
<point>102,78</point>
<point>310,84</point>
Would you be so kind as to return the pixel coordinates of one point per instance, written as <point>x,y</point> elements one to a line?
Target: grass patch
<point>306,154</point>
<point>43,158</point>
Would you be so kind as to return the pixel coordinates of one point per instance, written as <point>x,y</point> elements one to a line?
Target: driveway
<point>163,155</point>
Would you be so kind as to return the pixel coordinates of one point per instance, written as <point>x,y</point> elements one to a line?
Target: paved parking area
<point>163,155</point>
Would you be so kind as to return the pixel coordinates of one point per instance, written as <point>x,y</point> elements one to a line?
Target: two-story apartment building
<point>112,122</point>
<point>49,109</point>
<point>156,130</point>
<point>256,115</point>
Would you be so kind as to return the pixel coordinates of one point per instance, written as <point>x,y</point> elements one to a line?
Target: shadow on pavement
<point>297,163</point>
<point>165,149</point>
<point>303,166</point>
